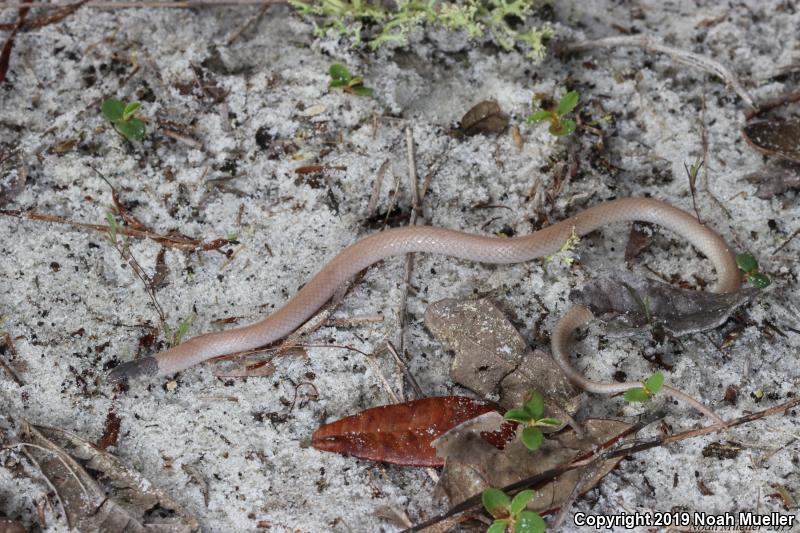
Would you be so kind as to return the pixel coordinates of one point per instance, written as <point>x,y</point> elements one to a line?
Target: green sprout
<point>650,387</point>
<point>342,79</point>
<point>530,414</point>
<point>748,264</point>
<point>510,514</point>
<point>123,116</point>
<point>559,126</point>
<point>181,331</point>
<point>113,227</point>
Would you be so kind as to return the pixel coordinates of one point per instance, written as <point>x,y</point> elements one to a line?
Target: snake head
<point>134,370</point>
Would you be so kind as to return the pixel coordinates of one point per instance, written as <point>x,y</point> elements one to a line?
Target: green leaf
<point>540,116</point>
<point>759,280</point>
<point>654,382</point>
<point>535,406</point>
<point>339,75</point>
<point>532,438</point>
<point>130,110</point>
<point>495,500</point>
<point>565,128</point>
<point>521,500</point>
<point>360,90</point>
<point>747,263</point>
<point>552,422</point>
<point>132,129</point>
<point>529,522</point>
<point>498,526</point>
<point>113,109</point>
<point>517,415</point>
<point>567,103</point>
<point>636,395</point>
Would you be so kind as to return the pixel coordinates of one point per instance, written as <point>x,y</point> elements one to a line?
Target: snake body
<point>441,241</point>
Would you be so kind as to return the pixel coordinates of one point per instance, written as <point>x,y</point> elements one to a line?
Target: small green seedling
<point>530,414</point>
<point>559,126</point>
<point>510,515</point>
<point>651,386</point>
<point>748,264</point>
<point>123,116</point>
<point>342,79</point>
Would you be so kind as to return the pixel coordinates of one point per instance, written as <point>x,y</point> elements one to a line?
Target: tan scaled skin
<point>442,241</point>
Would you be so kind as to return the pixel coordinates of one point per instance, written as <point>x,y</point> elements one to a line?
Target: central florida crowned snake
<point>374,248</point>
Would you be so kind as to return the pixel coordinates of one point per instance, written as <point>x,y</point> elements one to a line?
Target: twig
<point>772,103</point>
<point>704,148</point>
<point>173,241</point>
<point>376,189</point>
<point>247,25</point>
<point>404,367</point>
<point>415,204</point>
<point>548,475</point>
<point>787,241</point>
<point>649,44</point>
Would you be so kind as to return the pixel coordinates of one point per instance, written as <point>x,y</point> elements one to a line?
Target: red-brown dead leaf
<point>402,433</point>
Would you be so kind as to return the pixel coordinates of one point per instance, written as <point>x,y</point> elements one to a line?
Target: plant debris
<point>472,465</point>
<point>402,433</point>
<point>775,137</point>
<point>98,491</point>
<point>484,117</point>
<point>489,351</point>
<point>629,303</point>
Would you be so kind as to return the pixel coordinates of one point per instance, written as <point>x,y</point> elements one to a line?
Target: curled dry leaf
<point>775,137</point>
<point>489,351</point>
<point>629,303</point>
<point>402,433</point>
<point>472,465</point>
<point>113,497</point>
<point>484,117</point>
<point>773,180</point>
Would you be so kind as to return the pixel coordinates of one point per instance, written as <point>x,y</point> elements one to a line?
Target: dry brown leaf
<point>629,303</point>
<point>120,499</point>
<point>489,351</point>
<point>775,137</point>
<point>472,465</point>
<point>484,117</point>
<point>402,433</point>
<point>773,180</point>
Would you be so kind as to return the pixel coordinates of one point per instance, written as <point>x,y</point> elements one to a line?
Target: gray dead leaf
<point>113,497</point>
<point>484,117</point>
<point>773,180</point>
<point>489,351</point>
<point>472,465</point>
<point>775,137</point>
<point>623,300</point>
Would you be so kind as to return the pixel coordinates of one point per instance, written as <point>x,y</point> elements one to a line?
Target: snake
<point>447,242</point>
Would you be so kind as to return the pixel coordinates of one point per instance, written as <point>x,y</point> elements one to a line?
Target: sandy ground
<point>74,308</point>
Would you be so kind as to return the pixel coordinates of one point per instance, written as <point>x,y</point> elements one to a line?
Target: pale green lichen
<point>476,18</point>
<point>567,254</point>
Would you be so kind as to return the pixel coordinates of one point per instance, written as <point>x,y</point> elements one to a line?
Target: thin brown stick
<point>248,24</point>
<point>650,44</point>
<point>587,458</point>
<point>173,241</point>
<point>404,367</point>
